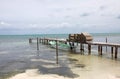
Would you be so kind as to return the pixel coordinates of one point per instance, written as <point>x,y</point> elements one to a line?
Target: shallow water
<point>17,56</point>
<point>96,67</point>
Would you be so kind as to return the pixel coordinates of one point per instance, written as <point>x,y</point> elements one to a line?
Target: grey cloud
<point>102,7</point>
<point>118,17</point>
<point>67,17</point>
<point>34,16</point>
<point>85,14</point>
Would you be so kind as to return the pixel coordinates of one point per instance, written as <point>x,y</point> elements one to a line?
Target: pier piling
<point>30,40</point>
<point>116,51</point>
<point>81,48</point>
<point>56,52</point>
<point>100,50</point>
<point>89,49</point>
<point>40,40</point>
<point>80,39</point>
<point>106,42</point>
<point>37,44</point>
<point>112,52</point>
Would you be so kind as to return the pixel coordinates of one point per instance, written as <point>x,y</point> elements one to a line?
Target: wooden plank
<point>103,44</point>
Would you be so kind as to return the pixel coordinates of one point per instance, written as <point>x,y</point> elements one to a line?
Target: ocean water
<point>17,55</point>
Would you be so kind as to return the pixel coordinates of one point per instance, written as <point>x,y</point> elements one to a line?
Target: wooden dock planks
<point>114,47</point>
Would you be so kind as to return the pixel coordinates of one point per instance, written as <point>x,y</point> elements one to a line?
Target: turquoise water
<point>16,54</point>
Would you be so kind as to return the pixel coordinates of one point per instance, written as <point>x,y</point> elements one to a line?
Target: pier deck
<point>104,44</point>
<point>114,47</point>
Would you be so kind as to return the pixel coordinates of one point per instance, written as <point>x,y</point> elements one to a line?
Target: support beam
<point>30,40</point>
<point>82,48</point>
<point>106,42</point>
<point>112,51</point>
<point>116,51</point>
<point>71,48</point>
<point>89,49</point>
<point>37,44</point>
<point>44,40</point>
<point>100,50</point>
<point>56,52</point>
<point>40,40</point>
<point>47,41</point>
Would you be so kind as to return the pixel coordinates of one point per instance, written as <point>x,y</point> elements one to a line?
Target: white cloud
<point>60,26</point>
<point>4,23</point>
<point>58,14</point>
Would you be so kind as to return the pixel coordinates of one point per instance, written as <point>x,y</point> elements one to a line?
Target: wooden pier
<point>83,38</point>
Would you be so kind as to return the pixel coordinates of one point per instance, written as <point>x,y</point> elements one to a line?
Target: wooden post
<point>106,42</point>
<point>40,40</point>
<point>30,40</point>
<point>56,52</point>
<point>44,41</point>
<point>100,50</point>
<point>37,44</point>
<point>65,42</point>
<point>81,48</point>
<point>77,43</point>
<point>89,49</point>
<point>116,51</point>
<point>47,41</point>
<point>112,52</point>
<point>71,48</point>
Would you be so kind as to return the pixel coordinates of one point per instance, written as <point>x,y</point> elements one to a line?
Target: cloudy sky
<point>59,16</point>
